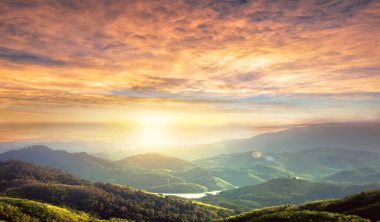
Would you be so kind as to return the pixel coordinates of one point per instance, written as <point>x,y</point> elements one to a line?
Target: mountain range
<point>22,182</point>
<point>356,136</point>
<point>282,191</point>
<point>361,175</point>
<point>165,174</point>
<point>152,171</point>
<point>311,163</point>
<point>33,193</point>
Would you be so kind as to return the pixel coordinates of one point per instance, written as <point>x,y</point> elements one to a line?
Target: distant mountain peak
<point>38,148</point>
<point>157,161</point>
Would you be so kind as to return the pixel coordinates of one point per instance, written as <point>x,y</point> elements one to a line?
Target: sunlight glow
<point>153,130</point>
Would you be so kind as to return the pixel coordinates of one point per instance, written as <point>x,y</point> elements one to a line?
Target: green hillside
<point>322,162</point>
<point>161,173</point>
<point>103,200</point>
<point>14,173</point>
<point>156,161</point>
<point>93,168</point>
<point>281,191</point>
<point>309,164</point>
<point>233,176</point>
<point>107,201</point>
<point>362,175</point>
<point>179,187</point>
<point>360,207</point>
<point>301,216</point>
<point>365,204</point>
<point>21,210</point>
<point>214,183</point>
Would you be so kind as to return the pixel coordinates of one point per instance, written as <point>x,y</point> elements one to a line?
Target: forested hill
<point>18,171</point>
<point>152,171</point>
<point>33,193</point>
<point>282,191</point>
<point>156,161</point>
<point>160,173</point>
<point>362,207</point>
<point>21,210</point>
<point>102,200</point>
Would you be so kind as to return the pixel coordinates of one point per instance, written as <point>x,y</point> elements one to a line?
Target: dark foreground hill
<point>102,200</point>
<point>18,172</point>
<point>21,210</point>
<point>282,191</point>
<point>364,206</point>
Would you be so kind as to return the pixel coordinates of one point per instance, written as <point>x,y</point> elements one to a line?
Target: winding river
<point>191,195</point>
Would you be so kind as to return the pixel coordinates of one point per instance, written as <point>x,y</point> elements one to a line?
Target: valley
<point>42,183</point>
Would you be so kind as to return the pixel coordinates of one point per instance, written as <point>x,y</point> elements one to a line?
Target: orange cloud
<point>212,56</point>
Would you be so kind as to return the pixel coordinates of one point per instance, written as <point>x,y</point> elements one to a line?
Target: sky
<point>161,73</point>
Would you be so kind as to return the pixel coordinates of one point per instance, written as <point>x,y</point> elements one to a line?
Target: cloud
<point>222,56</point>
<point>27,57</point>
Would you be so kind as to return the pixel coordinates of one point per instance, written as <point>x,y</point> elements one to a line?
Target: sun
<point>153,130</point>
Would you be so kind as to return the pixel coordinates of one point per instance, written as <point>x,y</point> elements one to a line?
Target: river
<point>191,195</point>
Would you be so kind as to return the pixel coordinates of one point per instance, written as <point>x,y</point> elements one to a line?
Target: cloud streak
<point>27,57</point>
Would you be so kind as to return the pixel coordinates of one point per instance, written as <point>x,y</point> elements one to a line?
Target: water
<point>191,195</point>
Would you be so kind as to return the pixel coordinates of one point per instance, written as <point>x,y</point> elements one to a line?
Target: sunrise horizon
<point>189,110</point>
<point>145,74</point>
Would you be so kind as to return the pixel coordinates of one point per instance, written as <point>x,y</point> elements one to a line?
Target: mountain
<point>362,175</point>
<point>44,191</point>
<point>161,173</point>
<point>92,168</point>
<point>156,161</point>
<point>291,215</point>
<point>214,183</point>
<point>258,168</point>
<point>311,163</point>
<point>360,207</point>
<point>351,136</point>
<point>104,200</point>
<point>359,136</point>
<point>179,188</point>
<point>224,176</point>
<point>153,172</point>
<point>17,172</point>
<point>281,191</point>
<point>81,163</point>
<point>69,145</point>
<point>320,162</point>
